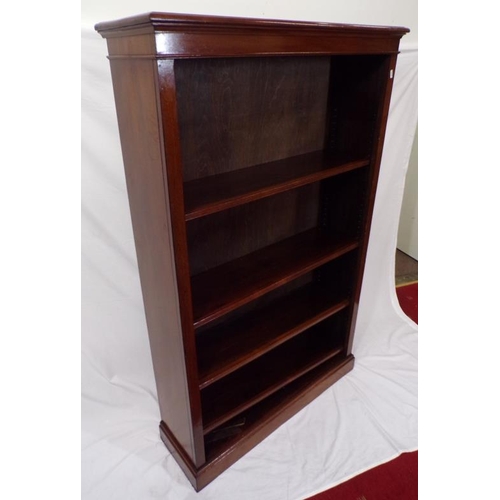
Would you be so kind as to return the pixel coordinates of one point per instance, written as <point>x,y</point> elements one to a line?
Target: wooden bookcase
<point>252,151</point>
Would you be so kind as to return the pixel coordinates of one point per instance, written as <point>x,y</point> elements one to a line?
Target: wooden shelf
<point>227,347</point>
<point>219,192</point>
<point>252,383</point>
<point>224,288</point>
<point>280,403</point>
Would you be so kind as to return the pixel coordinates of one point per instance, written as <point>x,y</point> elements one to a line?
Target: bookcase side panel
<point>167,103</point>
<point>142,147</point>
<point>382,82</point>
<point>354,95</point>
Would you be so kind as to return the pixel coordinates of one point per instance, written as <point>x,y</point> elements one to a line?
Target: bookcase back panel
<point>235,113</point>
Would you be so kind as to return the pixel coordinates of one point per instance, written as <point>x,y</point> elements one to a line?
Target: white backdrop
<point>365,419</point>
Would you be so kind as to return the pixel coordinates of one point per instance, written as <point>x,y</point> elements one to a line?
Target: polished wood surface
<point>181,22</point>
<point>274,412</point>
<point>271,405</point>
<point>142,144</point>
<point>270,372</point>
<point>219,192</point>
<point>231,345</point>
<point>260,421</point>
<point>252,150</point>
<point>227,235</point>
<point>383,84</point>
<point>172,181</point>
<point>224,288</point>
<point>189,36</point>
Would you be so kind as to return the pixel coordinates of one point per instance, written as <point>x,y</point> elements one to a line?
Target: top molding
<point>186,35</point>
<point>163,21</point>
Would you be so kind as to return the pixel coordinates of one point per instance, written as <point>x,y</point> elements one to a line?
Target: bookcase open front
<point>251,152</point>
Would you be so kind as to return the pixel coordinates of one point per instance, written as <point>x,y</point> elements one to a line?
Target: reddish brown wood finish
<point>262,420</point>
<point>173,183</point>
<point>230,234</point>
<point>170,22</point>
<point>241,112</point>
<point>142,144</point>
<point>229,346</point>
<point>384,82</point>
<point>224,288</point>
<point>181,35</point>
<point>270,372</point>
<point>219,192</point>
<point>252,150</point>
<point>274,412</point>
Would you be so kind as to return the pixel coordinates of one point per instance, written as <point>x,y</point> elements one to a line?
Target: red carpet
<point>397,479</point>
<point>408,300</point>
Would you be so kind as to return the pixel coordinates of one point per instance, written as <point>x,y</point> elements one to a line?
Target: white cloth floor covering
<point>367,418</point>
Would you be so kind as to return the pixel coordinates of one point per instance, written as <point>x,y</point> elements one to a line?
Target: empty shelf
<point>228,286</point>
<point>226,347</point>
<point>219,192</point>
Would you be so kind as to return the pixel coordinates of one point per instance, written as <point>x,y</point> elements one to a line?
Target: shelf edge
<point>288,335</point>
<point>235,201</point>
<point>222,311</point>
<point>270,390</point>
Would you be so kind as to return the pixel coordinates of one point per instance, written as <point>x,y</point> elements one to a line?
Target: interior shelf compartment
<point>235,344</point>
<point>226,287</point>
<point>242,427</point>
<point>265,324</point>
<point>219,192</point>
<point>257,380</point>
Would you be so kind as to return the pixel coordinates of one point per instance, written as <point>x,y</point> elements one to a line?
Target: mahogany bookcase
<point>252,150</point>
